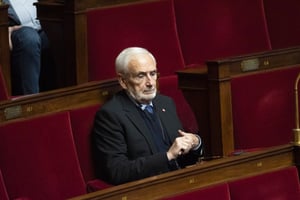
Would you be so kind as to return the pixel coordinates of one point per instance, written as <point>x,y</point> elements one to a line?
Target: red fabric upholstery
<point>168,85</point>
<point>282,185</point>
<point>283,22</point>
<point>38,158</point>
<point>3,89</point>
<point>213,29</point>
<point>148,24</point>
<point>82,121</point>
<point>3,192</point>
<point>216,192</point>
<point>263,108</point>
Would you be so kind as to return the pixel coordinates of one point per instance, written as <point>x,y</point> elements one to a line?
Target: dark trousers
<point>32,66</point>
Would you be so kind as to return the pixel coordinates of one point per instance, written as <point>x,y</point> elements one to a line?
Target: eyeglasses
<point>142,76</point>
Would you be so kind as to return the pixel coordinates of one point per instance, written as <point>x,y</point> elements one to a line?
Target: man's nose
<point>149,81</point>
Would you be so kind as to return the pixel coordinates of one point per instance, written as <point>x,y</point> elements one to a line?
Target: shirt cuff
<point>200,143</point>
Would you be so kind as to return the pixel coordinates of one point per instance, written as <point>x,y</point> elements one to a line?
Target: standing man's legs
<point>25,61</point>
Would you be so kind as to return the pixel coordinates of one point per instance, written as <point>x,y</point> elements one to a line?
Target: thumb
<point>181,133</point>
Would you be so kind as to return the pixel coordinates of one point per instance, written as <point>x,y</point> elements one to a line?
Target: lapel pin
<point>164,110</point>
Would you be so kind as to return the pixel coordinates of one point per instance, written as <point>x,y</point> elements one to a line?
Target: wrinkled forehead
<point>141,63</point>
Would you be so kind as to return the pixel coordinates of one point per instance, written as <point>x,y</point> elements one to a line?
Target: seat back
<point>283,22</point>
<point>220,28</point>
<point>263,108</point>
<point>82,121</point>
<point>280,184</point>
<point>150,25</point>
<point>168,85</point>
<point>38,158</point>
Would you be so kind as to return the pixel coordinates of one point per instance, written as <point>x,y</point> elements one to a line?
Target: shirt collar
<point>143,106</point>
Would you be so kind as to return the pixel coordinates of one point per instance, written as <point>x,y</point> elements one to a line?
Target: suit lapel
<point>164,115</point>
<point>134,116</point>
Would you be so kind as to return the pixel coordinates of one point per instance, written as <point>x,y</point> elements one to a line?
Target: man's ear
<point>122,81</point>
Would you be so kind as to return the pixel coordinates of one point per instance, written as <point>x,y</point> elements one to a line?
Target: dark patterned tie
<point>149,109</point>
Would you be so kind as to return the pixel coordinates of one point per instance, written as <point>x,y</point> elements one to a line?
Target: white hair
<point>122,60</point>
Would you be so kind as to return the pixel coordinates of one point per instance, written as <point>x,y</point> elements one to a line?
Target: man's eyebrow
<point>145,72</point>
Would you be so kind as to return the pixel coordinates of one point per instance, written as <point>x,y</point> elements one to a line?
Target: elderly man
<point>137,133</point>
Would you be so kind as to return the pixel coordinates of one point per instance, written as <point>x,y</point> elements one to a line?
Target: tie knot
<point>149,109</point>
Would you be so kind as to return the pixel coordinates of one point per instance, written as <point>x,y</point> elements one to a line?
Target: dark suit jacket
<point>124,149</point>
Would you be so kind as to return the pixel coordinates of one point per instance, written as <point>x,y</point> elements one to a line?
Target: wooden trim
<point>257,62</point>
<point>4,46</point>
<point>58,100</point>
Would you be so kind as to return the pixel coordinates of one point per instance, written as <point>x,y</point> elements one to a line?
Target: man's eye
<point>141,76</point>
<point>153,73</point>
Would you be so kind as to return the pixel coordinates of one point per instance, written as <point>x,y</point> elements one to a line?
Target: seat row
<point>179,33</point>
<point>50,157</point>
<point>213,101</point>
<point>187,33</point>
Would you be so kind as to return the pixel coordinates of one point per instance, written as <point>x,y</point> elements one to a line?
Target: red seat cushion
<point>38,158</point>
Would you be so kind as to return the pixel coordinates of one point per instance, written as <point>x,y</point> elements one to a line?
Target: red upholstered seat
<point>3,88</point>
<point>147,24</point>
<point>38,158</point>
<point>216,192</point>
<point>263,108</point>
<point>82,121</point>
<point>3,192</point>
<point>168,85</point>
<point>213,29</point>
<point>282,184</point>
<point>283,22</point>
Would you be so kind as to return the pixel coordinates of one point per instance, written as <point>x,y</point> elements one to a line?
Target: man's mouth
<point>149,91</point>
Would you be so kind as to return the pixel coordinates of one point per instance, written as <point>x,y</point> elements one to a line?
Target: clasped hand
<point>182,144</point>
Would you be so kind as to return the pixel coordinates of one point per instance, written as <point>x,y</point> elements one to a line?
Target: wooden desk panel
<point>199,176</point>
<point>208,91</point>
<point>58,100</point>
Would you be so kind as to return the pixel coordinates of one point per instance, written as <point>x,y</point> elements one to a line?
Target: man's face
<point>140,81</point>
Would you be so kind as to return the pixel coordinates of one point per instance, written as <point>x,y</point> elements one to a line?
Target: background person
<point>32,65</point>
